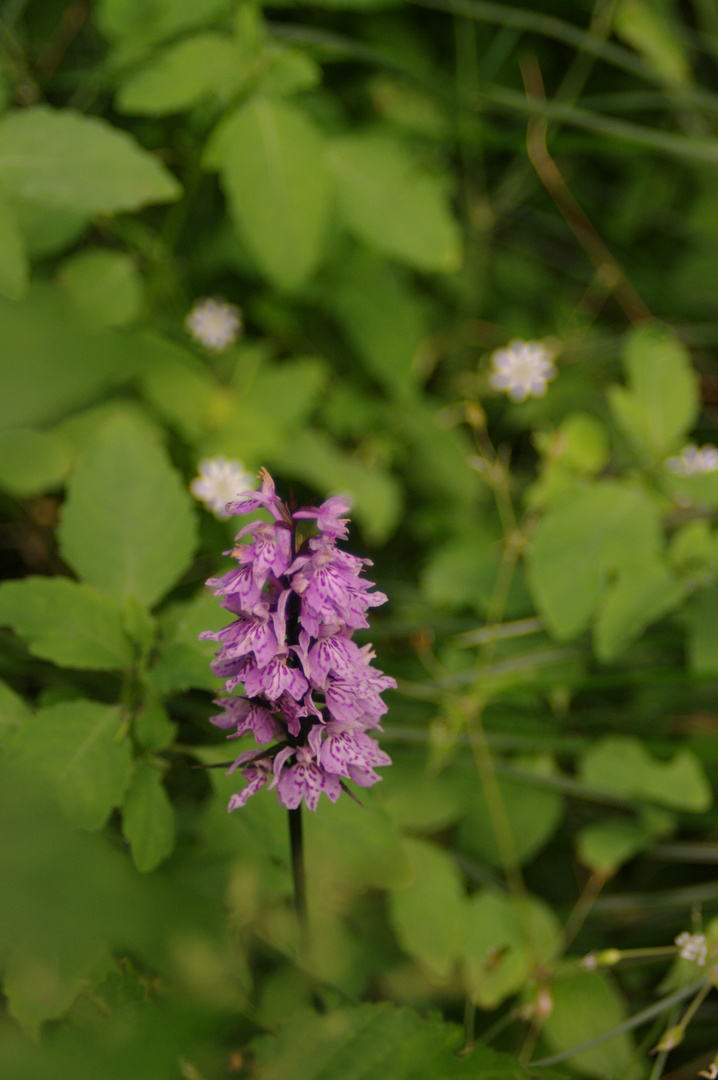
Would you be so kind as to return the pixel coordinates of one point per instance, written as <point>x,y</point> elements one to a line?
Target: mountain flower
<point>523,369</point>
<point>219,483</point>
<point>305,683</point>
<point>694,461</point>
<point>214,324</point>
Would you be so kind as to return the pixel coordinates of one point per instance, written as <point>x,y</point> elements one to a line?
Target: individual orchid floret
<point>214,324</point>
<point>219,483</point>
<point>302,682</point>
<point>692,947</point>
<point>694,461</point>
<point>522,370</point>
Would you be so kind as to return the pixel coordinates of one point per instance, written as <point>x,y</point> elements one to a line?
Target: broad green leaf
<point>643,593</point>
<point>692,546</point>
<point>377,500</point>
<point>127,525</point>
<point>505,939</point>
<point>586,1005</point>
<point>287,71</point>
<point>419,799</point>
<point>180,387</point>
<point>14,263</point>
<point>47,230</point>
<point>75,162</point>
<point>381,317</point>
<point>270,158</point>
<point>623,766</point>
<point>532,813</point>
<point>13,710</point>
<point>148,820</point>
<point>42,336</point>
<point>118,19</point>
<point>650,29</point>
<point>355,845</point>
<point>74,745</point>
<point>288,392</point>
<point>609,526</point>
<point>41,984</point>
<point>66,622</point>
<point>182,75</point>
<point>702,618</point>
<point>388,200</point>
<point>605,847</point>
<point>104,285</point>
<point>378,1040</point>
<point>184,660</point>
<point>32,462</point>
<point>661,403</point>
<point>429,917</point>
<point>153,728</point>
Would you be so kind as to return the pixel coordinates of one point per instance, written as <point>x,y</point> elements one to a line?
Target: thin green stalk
<point>296,844</point>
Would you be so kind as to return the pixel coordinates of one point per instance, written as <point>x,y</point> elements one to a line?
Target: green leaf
<point>13,709</point>
<point>610,525</point>
<point>69,161</point>
<point>586,1005</point>
<point>429,917</point>
<point>702,618</point>
<point>270,158</point>
<point>393,204</point>
<point>47,230</point>
<point>14,263</point>
<point>381,317</point>
<point>104,285</point>
<point>505,938</point>
<point>180,387</point>
<point>66,622</point>
<point>649,28</point>
<point>642,594</point>
<point>148,820</point>
<point>605,847</point>
<point>314,458</point>
<point>127,525</point>
<point>184,660</point>
<point>182,75</point>
<point>40,987</point>
<point>532,813</point>
<point>43,336</point>
<point>32,462</point>
<point>153,728</point>
<point>661,403</point>
<point>74,746</point>
<point>118,19</point>
<point>622,766</point>
<point>377,1040</point>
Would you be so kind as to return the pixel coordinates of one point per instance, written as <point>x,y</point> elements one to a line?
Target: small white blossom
<point>694,460</point>
<point>220,482</point>
<point>692,947</point>
<point>215,324</point>
<point>523,369</point>
<point>711,1073</point>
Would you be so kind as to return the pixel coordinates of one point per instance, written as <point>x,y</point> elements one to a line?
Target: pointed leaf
<point>623,766</point>
<point>148,820</point>
<point>66,622</point>
<point>74,746</point>
<point>270,158</point>
<point>127,525</point>
<point>32,462</point>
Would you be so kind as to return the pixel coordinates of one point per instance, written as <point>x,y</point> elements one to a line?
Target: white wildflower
<point>215,324</point>
<point>523,369</point>
<point>692,947</point>
<point>694,460</point>
<point>711,1073</point>
<point>220,482</point>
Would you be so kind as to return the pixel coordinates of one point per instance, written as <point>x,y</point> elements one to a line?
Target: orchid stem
<point>296,843</point>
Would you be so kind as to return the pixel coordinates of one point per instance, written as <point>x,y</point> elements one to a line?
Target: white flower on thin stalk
<point>215,324</point>
<point>219,483</point>
<point>522,370</point>
<point>692,947</point>
<point>694,461</point>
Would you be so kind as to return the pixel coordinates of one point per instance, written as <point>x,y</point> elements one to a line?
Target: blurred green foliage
<point>354,176</point>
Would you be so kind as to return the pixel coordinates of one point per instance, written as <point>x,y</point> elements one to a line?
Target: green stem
<point>296,844</point>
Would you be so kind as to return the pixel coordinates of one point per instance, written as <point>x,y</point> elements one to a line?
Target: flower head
<point>219,483</point>
<point>523,369</point>
<point>694,460</point>
<point>692,947</point>
<point>214,324</point>
<point>305,683</point>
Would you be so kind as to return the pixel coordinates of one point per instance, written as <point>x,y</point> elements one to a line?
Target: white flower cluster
<point>694,460</point>
<point>214,324</point>
<point>219,483</point>
<point>523,369</point>
<point>692,947</point>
